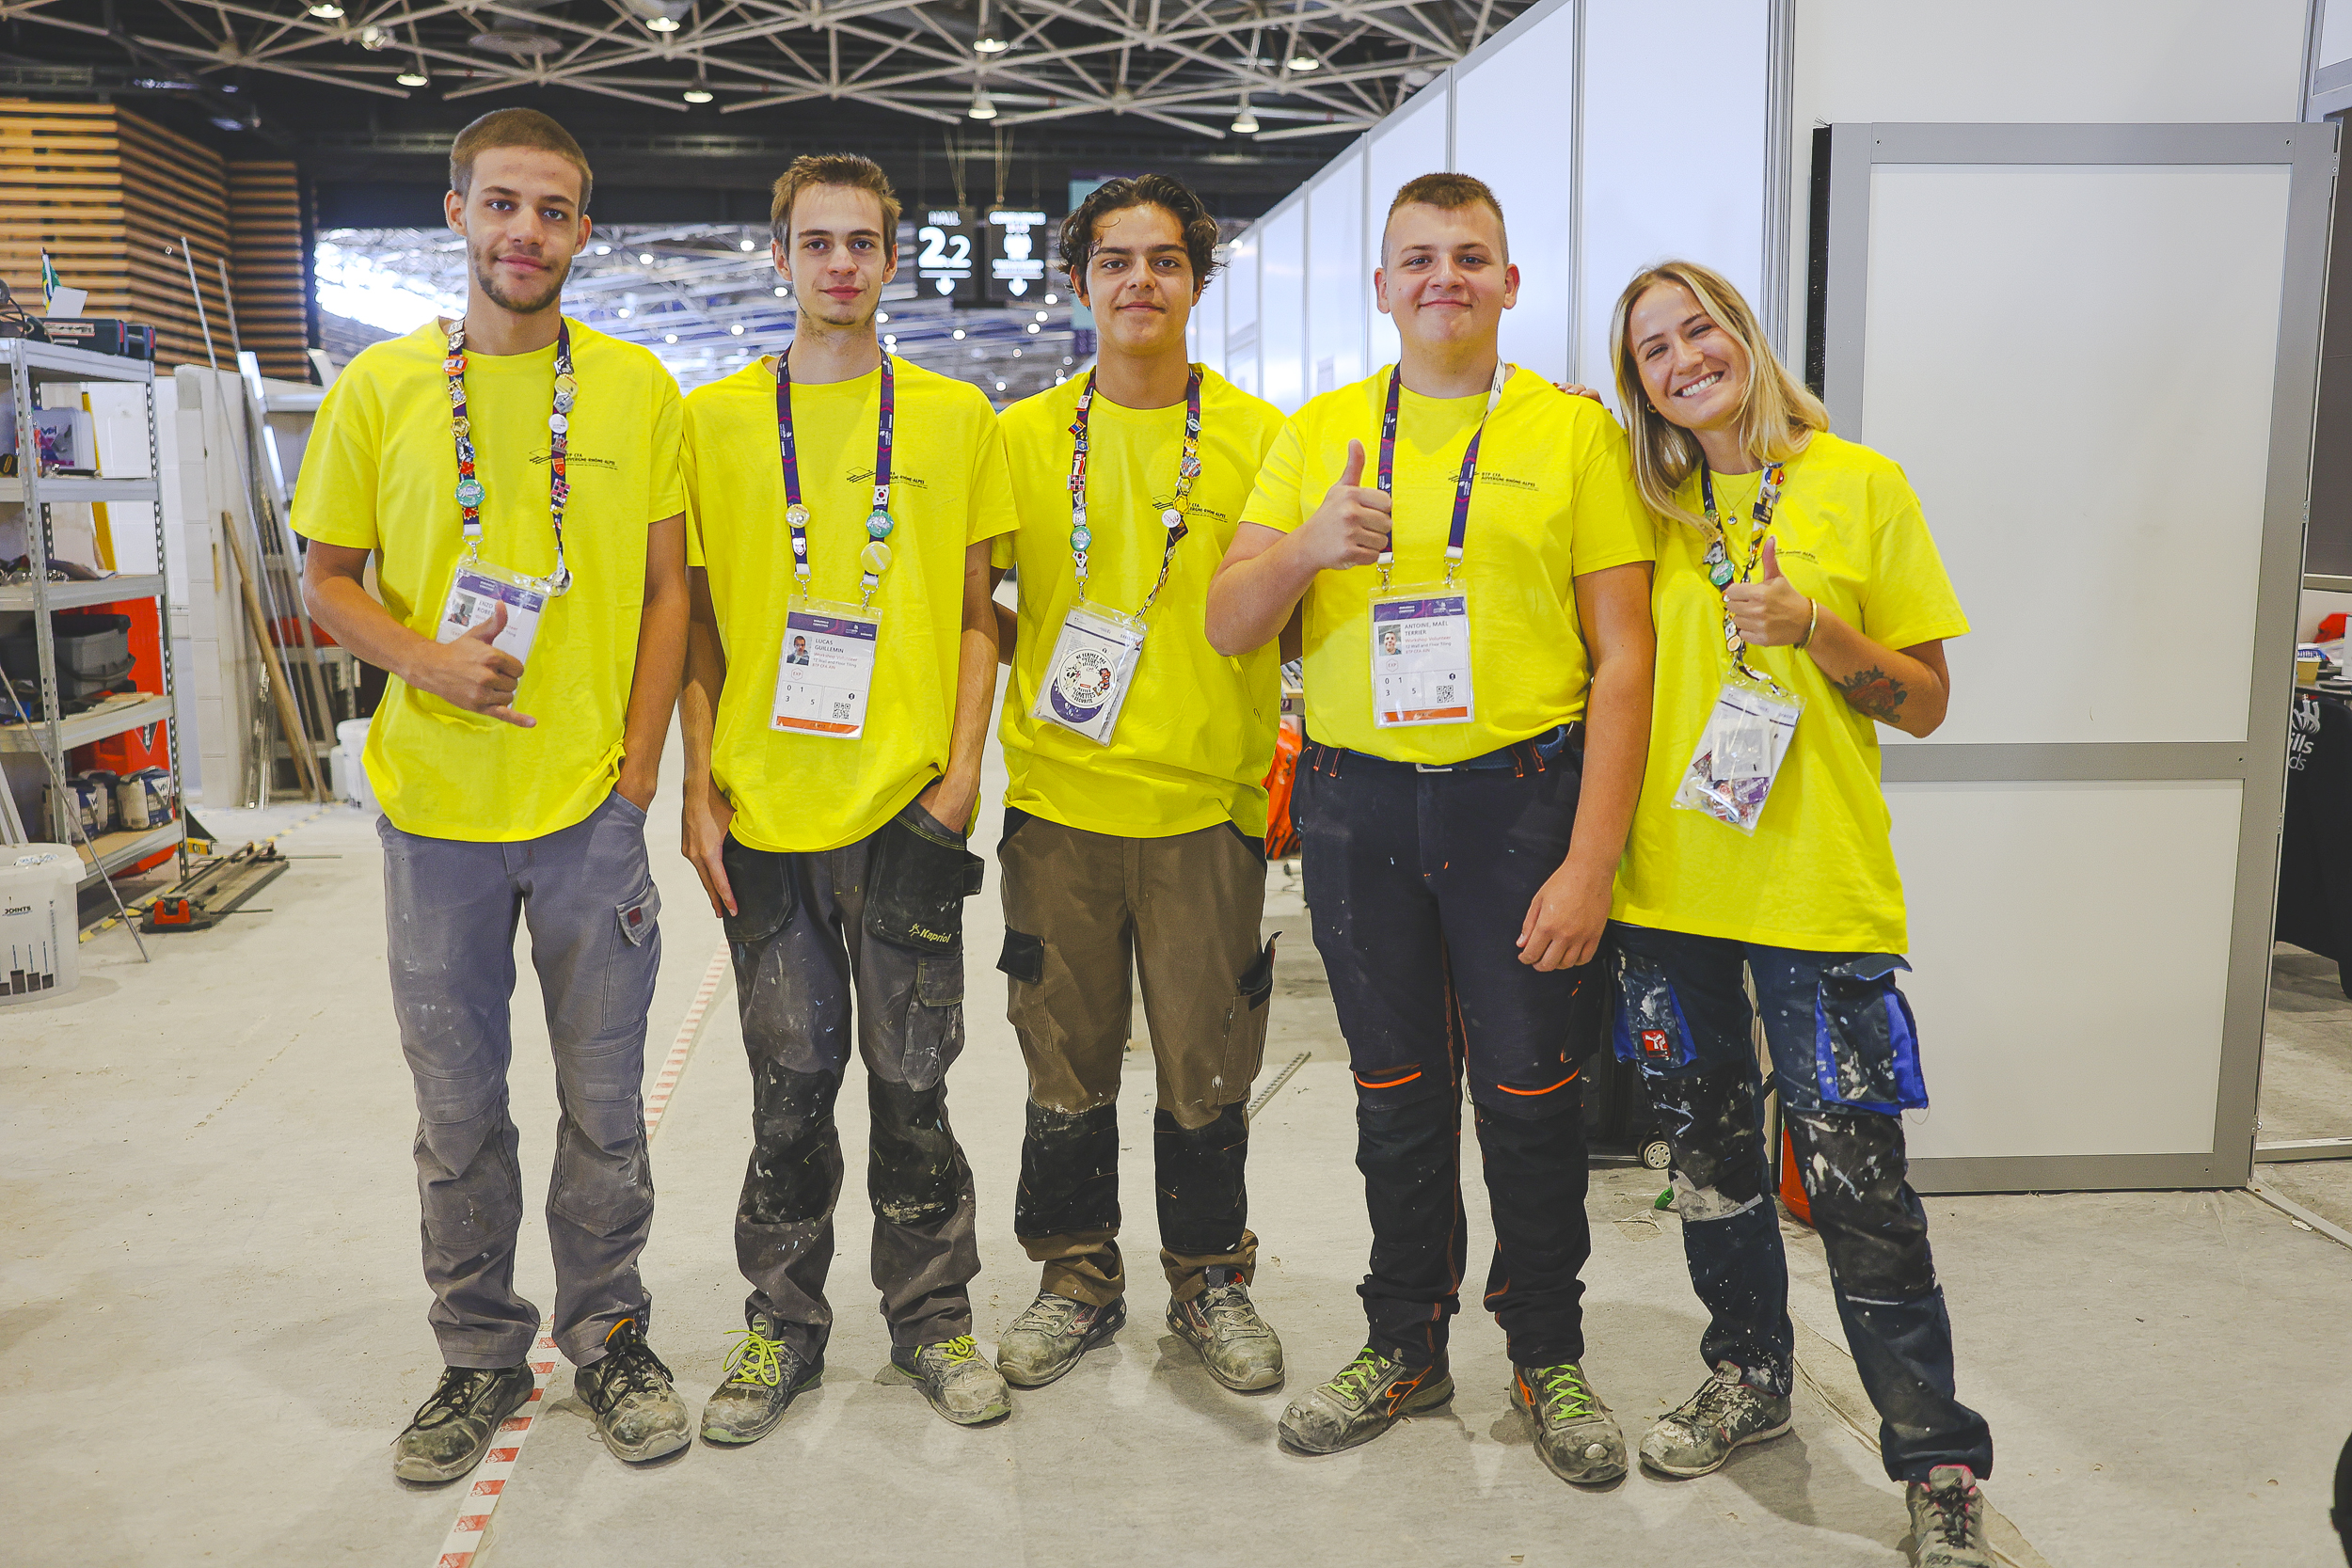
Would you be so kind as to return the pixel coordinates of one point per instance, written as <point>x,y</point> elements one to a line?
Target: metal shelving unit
<point>51,733</point>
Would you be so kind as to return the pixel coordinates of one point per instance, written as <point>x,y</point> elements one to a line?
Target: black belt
<point>1533,754</point>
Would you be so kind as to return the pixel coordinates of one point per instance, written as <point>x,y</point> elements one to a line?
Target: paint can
<point>40,947</point>
<point>102,784</point>
<point>143,800</point>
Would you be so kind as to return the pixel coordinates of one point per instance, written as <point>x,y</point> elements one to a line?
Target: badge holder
<point>1093,666</point>
<point>476,590</point>
<point>1739,751</point>
<point>825,670</point>
<point>1420,656</point>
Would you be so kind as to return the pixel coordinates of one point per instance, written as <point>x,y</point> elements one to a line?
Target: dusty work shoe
<point>1047,1339</point>
<point>1237,1346</point>
<point>1947,1519</point>
<point>452,1431</point>
<point>638,1413</point>
<point>955,1377</point>
<point>1363,1402</point>
<point>762,1373</point>
<point>1723,1414</point>
<point>1575,1437</point>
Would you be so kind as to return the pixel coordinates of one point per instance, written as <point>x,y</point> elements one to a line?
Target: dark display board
<point>948,258</point>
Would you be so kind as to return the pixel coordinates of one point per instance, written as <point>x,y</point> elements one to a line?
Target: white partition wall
<point>1240,284</point>
<point>1417,140</point>
<point>1338,267</point>
<point>1282,304</point>
<point>1524,147</point>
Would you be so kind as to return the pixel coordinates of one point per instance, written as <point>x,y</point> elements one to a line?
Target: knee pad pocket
<point>1870,1223</point>
<point>1710,1121</point>
<point>915,1171</point>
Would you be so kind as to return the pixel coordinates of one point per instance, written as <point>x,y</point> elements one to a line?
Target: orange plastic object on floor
<point>1281,835</point>
<point>1792,1184</point>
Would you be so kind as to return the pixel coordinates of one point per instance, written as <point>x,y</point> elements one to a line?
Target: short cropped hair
<point>1178,199</point>
<point>851,169</point>
<point>1449,193</point>
<point>514,128</point>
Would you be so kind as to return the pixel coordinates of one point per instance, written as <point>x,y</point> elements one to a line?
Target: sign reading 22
<point>945,250</point>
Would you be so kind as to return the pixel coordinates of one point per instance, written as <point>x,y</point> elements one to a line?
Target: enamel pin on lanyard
<point>825,669</point>
<point>1096,651</point>
<point>1421,637</point>
<point>479,587</point>
<point>1747,732</point>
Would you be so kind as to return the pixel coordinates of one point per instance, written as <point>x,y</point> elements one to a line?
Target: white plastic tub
<point>40,947</point>
<point>351,739</point>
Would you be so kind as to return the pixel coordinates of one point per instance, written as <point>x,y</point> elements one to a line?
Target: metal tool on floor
<point>214,890</point>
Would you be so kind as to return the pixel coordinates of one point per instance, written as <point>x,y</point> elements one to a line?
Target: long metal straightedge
<point>214,890</point>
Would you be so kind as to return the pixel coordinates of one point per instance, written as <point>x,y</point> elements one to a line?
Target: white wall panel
<point>1282,306</point>
<point>2103,522</point>
<point>2335,33</point>
<point>1208,324</point>
<point>1240,282</point>
<point>1412,141</point>
<point>1512,128</point>
<point>2068,982</point>
<point>1339,283</point>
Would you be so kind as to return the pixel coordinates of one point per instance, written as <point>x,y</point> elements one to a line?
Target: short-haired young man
<point>516,475</point>
<point>846,498</point>
<point>1134,826</point>
<point>1457,883</point>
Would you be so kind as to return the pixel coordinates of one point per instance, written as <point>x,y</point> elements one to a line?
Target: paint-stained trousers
<point>1416,882</point>
<point>1082,912</point>
<point>1683,1014</point>
<point>807,973</point>
<point>450,909</point>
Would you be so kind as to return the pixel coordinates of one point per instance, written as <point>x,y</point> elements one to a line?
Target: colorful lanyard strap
<point>874,558</point>
<point>469,491</point>
<point>1462,485</point>
<point>1173,518</point>
<point>1719,567</point>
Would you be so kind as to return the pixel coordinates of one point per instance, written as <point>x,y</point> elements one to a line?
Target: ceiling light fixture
<point>1244,124</point>
<point>782,292</point>
<point>661,24</point>
<point>604,250</point>
<point>374,40</point>
<point>645,258</point>
<point>669,337</point>
<point>959,334</point>
<point>737,329</point>
<point>696,95</point>
<point>981,108</point>
<point>1049,299</point>
<point>1302,63</point>
<point>326,11</point>
<point>414,76</point>
<point>747,245</point>
<point>985,38</point>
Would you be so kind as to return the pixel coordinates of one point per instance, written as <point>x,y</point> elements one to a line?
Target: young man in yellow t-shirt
<point>839,672</point>
<point>515,476</point>
<point>1134,826</point>
<point>1478,651</point>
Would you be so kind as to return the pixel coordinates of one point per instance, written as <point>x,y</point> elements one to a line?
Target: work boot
<point>1724,1413</point>
<point>955,1377</point>
<point>1575,1437</point>
<point>1947,1519</point>
<point>1237,1346</point>
<point>1047,1339</point>
<point>638,1413</point>
<point>762,1373</point>
<point>1363,1402</point>
<point>452,1431</point>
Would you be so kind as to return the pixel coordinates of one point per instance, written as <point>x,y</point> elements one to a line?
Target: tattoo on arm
<point>1875,692</point>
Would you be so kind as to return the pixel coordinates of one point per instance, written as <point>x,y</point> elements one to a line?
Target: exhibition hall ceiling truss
<point>1221,69</point>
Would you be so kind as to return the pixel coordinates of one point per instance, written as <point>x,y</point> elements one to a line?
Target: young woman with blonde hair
<point>1796,585</point>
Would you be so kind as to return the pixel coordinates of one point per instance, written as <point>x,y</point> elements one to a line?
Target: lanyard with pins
<point>469,491</point>
<point>1462,485</point>
<point>1719,567</point>
<point>1172,517</point>
<point>874,558</point>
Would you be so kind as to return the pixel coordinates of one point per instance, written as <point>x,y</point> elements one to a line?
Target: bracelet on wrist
<point>1810,626</point>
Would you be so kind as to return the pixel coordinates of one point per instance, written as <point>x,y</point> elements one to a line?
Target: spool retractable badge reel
<point>1097,649</point>
<point>1420,636</point>
<point>478,587</point>
<point>825,669</point>
<point>1747,732</point>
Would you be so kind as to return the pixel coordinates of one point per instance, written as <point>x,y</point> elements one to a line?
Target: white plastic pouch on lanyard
<point>1093,665</point>
<point>825,670</point>
<point>1420,656</point>
<point>1739,751</point>
<point>475,592</point>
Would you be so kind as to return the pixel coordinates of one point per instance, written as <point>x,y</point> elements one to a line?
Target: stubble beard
<point>485,274</point>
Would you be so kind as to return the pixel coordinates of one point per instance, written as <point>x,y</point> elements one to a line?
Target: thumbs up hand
<point>470,673</point>
<point>1351,527</point>
<point>1769,612</point>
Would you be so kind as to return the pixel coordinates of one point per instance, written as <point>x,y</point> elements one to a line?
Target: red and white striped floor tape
<point>464,1542</point>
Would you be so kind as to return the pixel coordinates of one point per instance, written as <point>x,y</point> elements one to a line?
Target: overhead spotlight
<point>413,77</point>
<point>890,339</point>
<point>669,337</point>
<point>374,40</point>
<point>696,95</point>
<point>737,329</point>
<point>981,108</point>
<point>1049,299</point>
<point>1040,315</point>
<point>661,24</point>
<point>959,334</point>
<point>1303,62</point>
<point>1033,328</point>
<point>882,316</point>
<point>989,43</point>
<point>622,312</point>
<point>604,250</point>
<point>326,10</point>
<point>1000,385</point>
<point>1245,123</point>
<point>782,292</point>
<point>645,258</point>
<point>747,245</point>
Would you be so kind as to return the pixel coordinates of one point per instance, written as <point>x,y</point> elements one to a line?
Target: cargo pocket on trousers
<point>916,885</point>
<point>1650,1029</point>
<point>1023,957</point>
<point>640,917</point>
<point>1866,1045</point>
<point>1245,1028</point>
<point>761,882</point>
<point>934,1030</point>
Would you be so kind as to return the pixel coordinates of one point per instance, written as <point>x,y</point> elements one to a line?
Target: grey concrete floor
<point>212,1323</point>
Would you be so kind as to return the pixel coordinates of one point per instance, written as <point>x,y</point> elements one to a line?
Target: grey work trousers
<point>802,955</point>
<point>450,908</point>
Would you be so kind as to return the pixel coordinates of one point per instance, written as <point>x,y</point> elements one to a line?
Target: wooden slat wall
<point>265,263</point>
<point>173,188</point>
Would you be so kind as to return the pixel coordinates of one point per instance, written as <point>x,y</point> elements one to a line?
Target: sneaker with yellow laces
<point>1366,1398</point>
<point>1576,1436</point>
<point>762,1373</point>
<point>955,1376</point>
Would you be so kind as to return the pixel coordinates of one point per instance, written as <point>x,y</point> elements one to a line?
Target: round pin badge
<point>874,558</point>
<point>469,492</point>
<point>877,525</point>
<point>796,515</point>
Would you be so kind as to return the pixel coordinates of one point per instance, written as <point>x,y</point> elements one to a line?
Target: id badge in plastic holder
<point>1088,676</point>
<point>825,670</point>
<point>476,592</point>
<point>1420,656</point>
<point>1739,751</point>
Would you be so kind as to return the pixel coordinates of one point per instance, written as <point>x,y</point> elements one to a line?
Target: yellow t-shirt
<point>799,793</point>
<point>1195,734</point>
<point>1818,875</point>
<point>380,473</point>
<point>1554,501</point>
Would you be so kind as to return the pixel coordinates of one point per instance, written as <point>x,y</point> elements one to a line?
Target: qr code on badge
<point>1445,694</point>
<point>840,710</point>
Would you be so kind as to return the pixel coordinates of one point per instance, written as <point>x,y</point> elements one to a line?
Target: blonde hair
<point>1777,417</point>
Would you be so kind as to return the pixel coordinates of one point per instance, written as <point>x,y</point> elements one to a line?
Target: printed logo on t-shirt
<point>1487,476</point>
<point>865,476</point>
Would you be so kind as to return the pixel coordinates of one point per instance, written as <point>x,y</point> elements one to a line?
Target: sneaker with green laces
<point>760,1377</point>
<point>955,1377</point>
<point>1576,1436</point>
<point>1727,1412</point>
<point>1366,1398</point>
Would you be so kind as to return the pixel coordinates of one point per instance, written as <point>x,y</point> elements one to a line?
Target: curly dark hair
<point>1078,230</point>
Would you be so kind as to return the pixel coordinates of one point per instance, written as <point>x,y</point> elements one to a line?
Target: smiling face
<point>1444,273</point>
<point>836,253</point>
<point>521,219</point>
<point>1138,280</point>
<point>1694,372</point>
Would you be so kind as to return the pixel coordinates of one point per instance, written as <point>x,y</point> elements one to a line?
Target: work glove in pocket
<point>916,882</point>
<point>761,882</point>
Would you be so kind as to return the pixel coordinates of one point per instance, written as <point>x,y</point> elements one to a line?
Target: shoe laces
<point>753,1360</point>
<point>1356,1381</point>
<point>630,1366</point>
<point>1716,1399</point>
<point>957,1351</point>
<point>1955,1509</point>
<point>1226,1309</point>
<point>1049,1314</point>
<point>1567,1397</point>
<point>459,1387</point>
